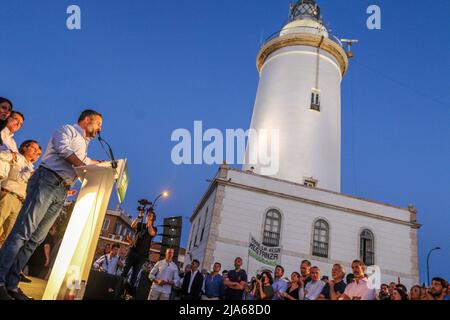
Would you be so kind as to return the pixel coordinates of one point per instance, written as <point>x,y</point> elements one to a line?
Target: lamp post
<point>428,263</point>
<point>164,194</point>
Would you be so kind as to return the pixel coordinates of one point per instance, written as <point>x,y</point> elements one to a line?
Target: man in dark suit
<point>192,283</point>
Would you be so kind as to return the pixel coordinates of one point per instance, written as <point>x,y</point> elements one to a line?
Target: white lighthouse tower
<point>299,95</point>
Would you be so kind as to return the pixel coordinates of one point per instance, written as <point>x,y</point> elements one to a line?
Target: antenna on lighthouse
<point>349,43</point>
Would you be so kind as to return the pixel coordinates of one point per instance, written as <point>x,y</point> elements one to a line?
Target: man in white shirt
<point>13,188</point>
<point>110,263</point>
<point>312,290</point>
<point>47,191</point>
<point>164,276</point>
<point>359,289</point>
<point>13,124</point>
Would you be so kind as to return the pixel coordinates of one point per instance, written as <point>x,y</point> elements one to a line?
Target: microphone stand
<point>111,154</point>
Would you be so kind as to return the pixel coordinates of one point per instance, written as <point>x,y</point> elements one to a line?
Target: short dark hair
<point>361,264</point>
<point>88,113</point>
<point>443,282</point>
<point>308,263</point>
<point>115,245</point>
<point>2,99</point>
<point>18,113</point>
<point>401,286</point>
<point>218,263</point>
<point>195,260</point>
<point>281,267</point>
<point>26,144</point>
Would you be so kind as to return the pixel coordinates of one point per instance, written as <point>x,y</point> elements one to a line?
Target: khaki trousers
<point>9,209</point>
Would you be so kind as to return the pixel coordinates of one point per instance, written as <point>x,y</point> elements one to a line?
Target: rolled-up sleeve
<point>62,142</point>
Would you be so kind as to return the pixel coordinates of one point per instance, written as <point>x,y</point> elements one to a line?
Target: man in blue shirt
<point>213,287</point>
<point>279,284</point>
<point>46,192</point>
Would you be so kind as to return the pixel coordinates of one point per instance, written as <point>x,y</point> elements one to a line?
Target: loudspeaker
<point>103,286</point>
<point>171,237</point>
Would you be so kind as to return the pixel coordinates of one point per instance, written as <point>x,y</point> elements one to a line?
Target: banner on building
<point>270,256</point>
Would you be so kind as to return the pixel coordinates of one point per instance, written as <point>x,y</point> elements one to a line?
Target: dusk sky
<point>151,67</point>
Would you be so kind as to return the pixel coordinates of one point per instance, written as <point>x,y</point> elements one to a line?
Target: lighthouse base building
<point>307,223</point>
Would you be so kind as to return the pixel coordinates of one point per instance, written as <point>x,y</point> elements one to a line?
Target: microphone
<point>110,153</point>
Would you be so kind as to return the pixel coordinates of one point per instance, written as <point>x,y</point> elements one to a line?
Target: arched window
<point>272,228</point>
<point>367,250</point>
<point>321,239</point>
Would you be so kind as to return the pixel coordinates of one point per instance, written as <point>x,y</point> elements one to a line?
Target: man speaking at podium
<point>46,192</point>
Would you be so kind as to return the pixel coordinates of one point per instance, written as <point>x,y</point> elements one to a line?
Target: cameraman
<point>140,247</point>
<point>262,289</point>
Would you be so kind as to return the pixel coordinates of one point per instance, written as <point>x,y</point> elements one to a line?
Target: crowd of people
<point>307,284</point>
<point>31,199</point>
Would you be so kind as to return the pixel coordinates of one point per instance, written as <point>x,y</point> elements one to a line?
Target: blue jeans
<point>45,198</point>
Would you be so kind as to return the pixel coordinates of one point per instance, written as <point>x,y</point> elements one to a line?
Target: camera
<point>144,202</point>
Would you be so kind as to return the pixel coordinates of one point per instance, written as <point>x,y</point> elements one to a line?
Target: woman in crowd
<point>293,289</point>
<point>263,287</point>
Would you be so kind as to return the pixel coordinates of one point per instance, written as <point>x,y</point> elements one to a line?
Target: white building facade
<point>300,208</point>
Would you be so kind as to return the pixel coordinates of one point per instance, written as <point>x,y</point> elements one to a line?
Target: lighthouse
<point>299,96</point>
<point>298,212</point>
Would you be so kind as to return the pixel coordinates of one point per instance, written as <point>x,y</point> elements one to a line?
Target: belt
<point>60,180</point>
<point>21,199</point>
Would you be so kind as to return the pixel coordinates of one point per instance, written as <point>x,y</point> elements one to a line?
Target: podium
<point>71,269</point>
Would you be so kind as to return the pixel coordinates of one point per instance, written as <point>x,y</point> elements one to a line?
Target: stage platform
<point>35,289</point>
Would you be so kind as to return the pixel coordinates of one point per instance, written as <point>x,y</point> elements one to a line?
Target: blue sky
<point>154,66</point>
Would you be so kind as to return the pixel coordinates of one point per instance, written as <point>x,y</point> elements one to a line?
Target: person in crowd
<point>6,107</point>
<point>280,284</point>
<point>312,289</point>
<point>109,263</point>
<point>235,281</point>
<point>187,268</point>
<point>292,292</point>
<point>165,275</point>
<point>204,273</point>
<point>46,194</point>
<point>13,124</point>
<point>447,297</point>
<point>384,292</point>
<point>213,287</point>
<point>359,289</point>
<point>140,249</point>
<point>263,289</point>
<point>13,189</point>
<point>107,249</point>
<point>415,293</point>
<point>305,271</point>
<point>39,263</point>
<point>392,286</point>
<point>398,294</point>
<point>192,283</point>
<point>334,288</point>
<point>438,289</point>
<point>402,287</point>
<point>349,278</point>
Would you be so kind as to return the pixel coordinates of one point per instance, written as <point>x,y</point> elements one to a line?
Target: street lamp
<point>428,263</point>
<point>163,194</point>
